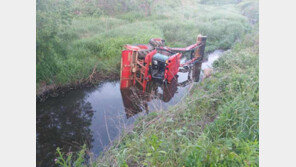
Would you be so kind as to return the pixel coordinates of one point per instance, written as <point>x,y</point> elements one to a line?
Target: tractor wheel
<point>143,52</point>
<point>157,42</point>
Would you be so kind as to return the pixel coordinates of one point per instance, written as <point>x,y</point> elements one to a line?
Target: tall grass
<point>98,39</point>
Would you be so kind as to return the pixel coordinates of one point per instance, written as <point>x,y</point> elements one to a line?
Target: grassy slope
<point>217,124</point>
<point>97,42</point>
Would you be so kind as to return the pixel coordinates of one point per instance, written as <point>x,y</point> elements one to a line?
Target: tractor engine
<point>158,66</point>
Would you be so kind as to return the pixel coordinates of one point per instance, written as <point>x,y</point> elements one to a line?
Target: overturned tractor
<point>142,63</point>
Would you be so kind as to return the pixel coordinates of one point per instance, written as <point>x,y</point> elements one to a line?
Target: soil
<point>54,90</point>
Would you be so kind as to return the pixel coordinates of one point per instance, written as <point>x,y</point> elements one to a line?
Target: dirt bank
<point>55,90</point>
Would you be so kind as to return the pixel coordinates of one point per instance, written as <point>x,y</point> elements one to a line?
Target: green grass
<point>98,40</point>
<point>218,123</point>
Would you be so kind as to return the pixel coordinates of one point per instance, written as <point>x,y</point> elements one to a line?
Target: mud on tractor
<point>141,63</point>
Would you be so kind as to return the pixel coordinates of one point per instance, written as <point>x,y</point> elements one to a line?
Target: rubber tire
<point>142,53</point>
<point>157,43</point>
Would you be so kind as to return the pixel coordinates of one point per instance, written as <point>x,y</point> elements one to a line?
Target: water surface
<point>96,116</point>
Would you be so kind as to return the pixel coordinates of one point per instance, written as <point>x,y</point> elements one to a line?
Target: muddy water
<point>96,116</point>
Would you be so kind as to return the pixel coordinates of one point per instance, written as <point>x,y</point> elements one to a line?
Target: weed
<point>67,160</point>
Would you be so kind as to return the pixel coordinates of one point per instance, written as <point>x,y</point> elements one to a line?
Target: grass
<point>92,42</point>
<point>218,123</point>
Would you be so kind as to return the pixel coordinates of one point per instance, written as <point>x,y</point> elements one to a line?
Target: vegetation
<point>67,160</point>
<point>76,37</point>
<point>217,123</point>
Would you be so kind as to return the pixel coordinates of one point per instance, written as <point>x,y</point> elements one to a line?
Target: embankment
<point>54,90</point>
<point>218,123</point>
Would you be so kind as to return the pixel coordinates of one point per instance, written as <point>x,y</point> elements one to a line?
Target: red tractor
<point>142,63</point>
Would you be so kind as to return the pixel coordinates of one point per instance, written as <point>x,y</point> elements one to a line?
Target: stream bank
<point>55,90</point>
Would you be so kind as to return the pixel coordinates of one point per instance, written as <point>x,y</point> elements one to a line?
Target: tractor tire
<point>142,53</point>
<point>157,42</point>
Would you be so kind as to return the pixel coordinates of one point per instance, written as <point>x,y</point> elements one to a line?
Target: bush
<point>250,8</point>
<point>53,18</point>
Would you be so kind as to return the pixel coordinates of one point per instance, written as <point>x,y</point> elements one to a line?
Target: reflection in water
<point>65,126</point>
<point>96,116</point>
<point>135,100</point>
